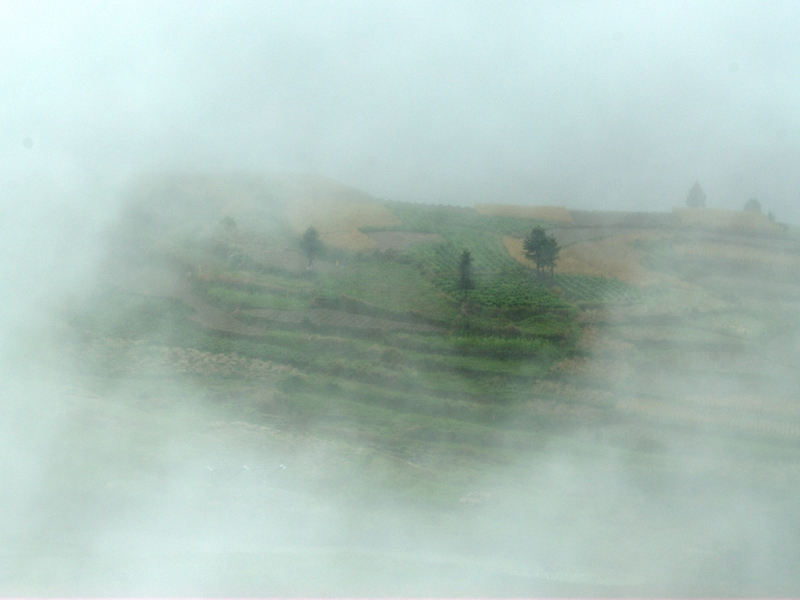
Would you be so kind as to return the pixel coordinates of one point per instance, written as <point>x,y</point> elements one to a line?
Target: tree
<point>533,245</point>
<point>696,197</point>
<point>753,205</point>
<point>465,283</point>
<point>542,249</point>
<point>311,245</point>
<point>550,252</point>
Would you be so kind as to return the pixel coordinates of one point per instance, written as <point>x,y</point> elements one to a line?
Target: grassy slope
<point>518,354</point>
<point>688,384</point>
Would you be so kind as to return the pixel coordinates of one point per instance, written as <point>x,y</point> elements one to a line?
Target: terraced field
<point>366,399</point>
<point>765,416</point>
<point>338,320</point>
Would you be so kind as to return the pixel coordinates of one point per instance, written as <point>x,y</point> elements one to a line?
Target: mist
<point>593,106</point>
<point>130,125</point>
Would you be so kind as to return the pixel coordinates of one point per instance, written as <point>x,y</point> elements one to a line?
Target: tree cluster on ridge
<point>542,249</point>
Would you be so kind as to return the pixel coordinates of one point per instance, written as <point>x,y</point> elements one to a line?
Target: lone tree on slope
<point>465,283</point>
<point>550,252</point>
<point>696,197</point>
<point>542,249</point>
<point>311,245</point>
<point>533,244</point>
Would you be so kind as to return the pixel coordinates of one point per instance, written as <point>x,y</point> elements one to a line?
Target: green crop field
<point>379,362</point>
<point>587,288</point>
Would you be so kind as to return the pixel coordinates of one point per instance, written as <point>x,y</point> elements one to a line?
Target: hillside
<point>665,341</point>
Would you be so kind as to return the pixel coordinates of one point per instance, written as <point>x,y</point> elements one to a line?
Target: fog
<point>589,105</point>
<point>619,106</point>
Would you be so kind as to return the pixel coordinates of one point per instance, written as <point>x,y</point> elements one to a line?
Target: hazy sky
<point>606,105</point>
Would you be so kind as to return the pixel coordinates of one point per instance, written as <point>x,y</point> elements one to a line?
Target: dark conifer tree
<point>311,245</point>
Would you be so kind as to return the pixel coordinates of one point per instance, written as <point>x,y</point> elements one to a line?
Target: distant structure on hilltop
<point>696,197</point>
<point>753,205</point>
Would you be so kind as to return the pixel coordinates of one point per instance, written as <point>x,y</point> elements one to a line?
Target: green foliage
<point>487,253</point>
<point>541,248</point>
<point>237,298</point>
<point>387,284</point>
<point>500,347</point>
<point>450,221</point>
<point>465,282</point>
<point>549,253</point>
<point>503,292</point>
<point>533,244</point>
<point>311,245</point>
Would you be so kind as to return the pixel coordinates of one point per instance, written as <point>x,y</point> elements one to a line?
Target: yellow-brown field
<point>739,253</point>
<point>553,214</point>
<point>338,221</point>
<point>614,256</point>
<point>718,218</point>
